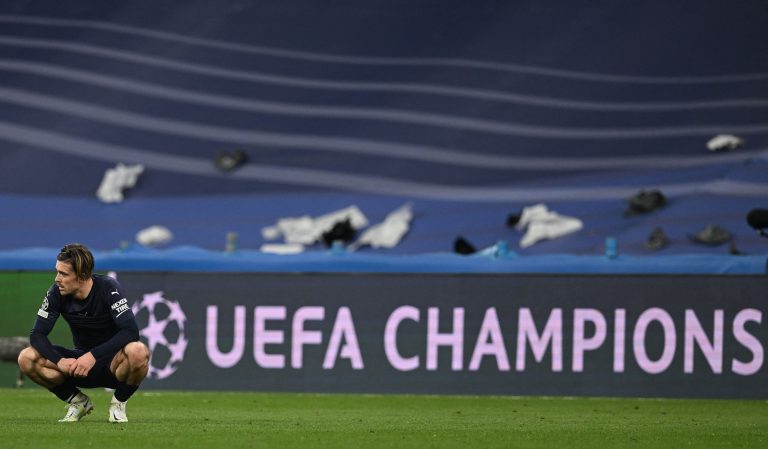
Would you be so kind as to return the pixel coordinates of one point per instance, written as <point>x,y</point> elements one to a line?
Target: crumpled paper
<point>154,235</point>
<point>724,142</point>
<point>389,232</point>
<point>542,224</point>
<point>307,230</point>
<point>116,180</point>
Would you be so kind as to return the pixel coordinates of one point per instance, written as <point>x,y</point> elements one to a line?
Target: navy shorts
<point>98,377</point>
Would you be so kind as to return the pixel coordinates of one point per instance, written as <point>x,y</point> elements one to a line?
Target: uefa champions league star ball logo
<point>161,322</point>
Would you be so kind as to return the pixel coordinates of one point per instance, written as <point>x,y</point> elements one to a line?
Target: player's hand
<point>65,365</point>
<point>82,365</point>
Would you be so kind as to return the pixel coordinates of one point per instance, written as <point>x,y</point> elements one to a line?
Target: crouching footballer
<point>107,352</point>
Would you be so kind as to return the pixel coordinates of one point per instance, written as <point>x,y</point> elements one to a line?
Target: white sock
<point>79,397</point>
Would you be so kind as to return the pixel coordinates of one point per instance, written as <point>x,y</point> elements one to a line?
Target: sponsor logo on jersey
<point>43,308</point>
<point>120,306</point>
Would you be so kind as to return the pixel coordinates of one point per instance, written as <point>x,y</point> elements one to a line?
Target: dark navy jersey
<point>102,323</point>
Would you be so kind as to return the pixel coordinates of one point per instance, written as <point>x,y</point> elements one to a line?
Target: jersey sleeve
<point>47,315</point>
<point>124,319</point>
<point>118,303</point>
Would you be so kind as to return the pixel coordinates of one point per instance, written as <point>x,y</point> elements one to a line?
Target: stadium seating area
<point>469,112</point>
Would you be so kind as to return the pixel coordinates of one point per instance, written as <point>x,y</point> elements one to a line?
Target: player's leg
<point>45,373</point>
<point>39,369</point>
<point>129,366</point>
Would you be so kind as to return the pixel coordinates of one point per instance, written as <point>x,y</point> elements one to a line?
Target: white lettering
<point>263,337</point>
<point>454,340</point>
<point>748,341</point>
<point>670,339</point>
<point>344,328</point>
<point>619,329</point>
<point>580,343</point>
<point>121,302</point>
<point>397,361</point>
<point>301,336</point>
<point>653,341</point>
<point>713,351</point>
<point>553,332</point>
<point>490,342</point>
<point>218,358</point>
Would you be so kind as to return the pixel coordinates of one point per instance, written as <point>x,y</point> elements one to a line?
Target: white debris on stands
<point>154,235</point>
<point>388,233</point>
<point>116,180</point>
<point>542,223</point>
<point>307,230</point>
<point>725,142</point>
<point>282,248</point>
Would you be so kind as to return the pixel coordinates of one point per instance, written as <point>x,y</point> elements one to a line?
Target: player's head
<point>79,258</point>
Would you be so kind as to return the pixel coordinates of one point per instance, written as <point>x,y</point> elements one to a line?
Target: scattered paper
<point>116,180</point>
<point>542,224</point>
<point>388,233</point>
<point>282,248</point>
<point>724,142</point>
<point>306,230</point>
<point>154,235</point>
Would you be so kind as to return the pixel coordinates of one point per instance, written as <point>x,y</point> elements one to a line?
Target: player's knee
<point>27,358</point>
<point>138,355</point>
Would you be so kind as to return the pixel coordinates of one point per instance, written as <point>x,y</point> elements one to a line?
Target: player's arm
<point>125,321</point>
<point>38,337</point>
<point>129,331</point>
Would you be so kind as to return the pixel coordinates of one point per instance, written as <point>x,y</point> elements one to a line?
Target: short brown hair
<point>80,257</point>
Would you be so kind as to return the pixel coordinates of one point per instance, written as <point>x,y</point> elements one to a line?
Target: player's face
<point>66,279</point>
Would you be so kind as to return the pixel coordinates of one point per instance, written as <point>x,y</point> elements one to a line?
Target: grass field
<point>312,421</point>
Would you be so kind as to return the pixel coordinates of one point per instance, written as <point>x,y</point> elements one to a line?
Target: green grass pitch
<point>211,420</point>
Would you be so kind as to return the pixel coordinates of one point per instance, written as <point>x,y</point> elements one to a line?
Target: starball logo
<point>161,322</point>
